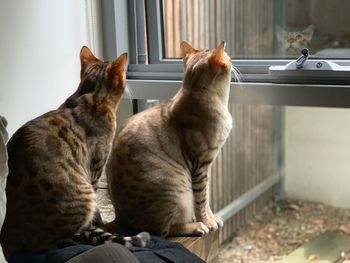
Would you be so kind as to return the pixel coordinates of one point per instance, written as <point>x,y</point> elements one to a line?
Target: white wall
<point>40,42</point>
<point>318,155</point>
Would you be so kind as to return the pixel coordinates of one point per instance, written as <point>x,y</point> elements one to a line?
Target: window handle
<point>301,60</point>
<point>303,68</point>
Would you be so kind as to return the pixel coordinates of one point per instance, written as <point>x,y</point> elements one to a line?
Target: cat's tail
<point>97,236</point>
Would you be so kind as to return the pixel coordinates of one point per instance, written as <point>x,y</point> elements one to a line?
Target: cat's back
<point>145,124</point>
<point>155,113</point>
<point>48,134</point>
<point>44,151</point>
<point>44,176</point>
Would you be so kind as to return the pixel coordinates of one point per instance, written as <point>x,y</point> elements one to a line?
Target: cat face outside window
<point>291,42</point>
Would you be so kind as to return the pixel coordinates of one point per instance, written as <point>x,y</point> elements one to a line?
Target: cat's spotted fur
<point>158,168</point>
<point>56,160</point>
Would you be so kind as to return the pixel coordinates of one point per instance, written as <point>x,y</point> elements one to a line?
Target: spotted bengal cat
<point>56,160</point>
<point>158,168</point>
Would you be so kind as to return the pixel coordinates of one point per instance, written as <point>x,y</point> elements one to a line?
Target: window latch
<point>305,67</point>
<point>301,60</point>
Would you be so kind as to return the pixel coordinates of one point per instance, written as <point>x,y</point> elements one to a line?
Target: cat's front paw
<point>200,229</point>
<point>213,223</point>
<point>218,221</point>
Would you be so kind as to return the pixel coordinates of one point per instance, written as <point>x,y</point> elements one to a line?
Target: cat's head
<point>203,67</point>
<point>103,79</point>
<point>291,42</point>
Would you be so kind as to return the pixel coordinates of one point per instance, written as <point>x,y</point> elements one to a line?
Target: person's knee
<point>107,253</point>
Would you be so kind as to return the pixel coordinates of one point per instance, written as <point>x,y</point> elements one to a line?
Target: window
<point>264,39</point>
<point>259,34</point>
<point>260,29</point>
<point>153,53</point>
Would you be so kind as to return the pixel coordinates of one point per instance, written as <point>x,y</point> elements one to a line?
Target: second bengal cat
<point>158,169</point>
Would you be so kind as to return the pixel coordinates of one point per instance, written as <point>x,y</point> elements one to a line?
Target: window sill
<point>255,93</point>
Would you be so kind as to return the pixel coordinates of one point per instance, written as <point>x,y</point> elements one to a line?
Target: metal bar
<point>137,34</point>
<point>108,29</point>
<point>251,71</point>
<point>279,148</point>
<point>155,31</point>
<point>133,36</point>
<point>115,27</point>
<point>141,34</point>
<point>255,93</point>
<point>247,198</point>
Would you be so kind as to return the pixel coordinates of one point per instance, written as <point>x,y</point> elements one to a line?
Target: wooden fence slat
<point>176,30</point>
<point>168,24</point>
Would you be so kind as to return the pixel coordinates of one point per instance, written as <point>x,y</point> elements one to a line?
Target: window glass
<point>259,28</point>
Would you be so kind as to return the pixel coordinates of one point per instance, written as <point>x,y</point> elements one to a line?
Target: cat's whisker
<point>236,74</point>
<point>128,95</point>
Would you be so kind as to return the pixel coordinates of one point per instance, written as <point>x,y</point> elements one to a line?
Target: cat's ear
<point>216,59</point>
<point>309,32</point>
<point>118,68</point>
<point>187,49</point>
<point>86,56</point>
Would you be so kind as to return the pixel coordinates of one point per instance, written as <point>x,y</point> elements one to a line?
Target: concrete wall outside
<point>317,148</point>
